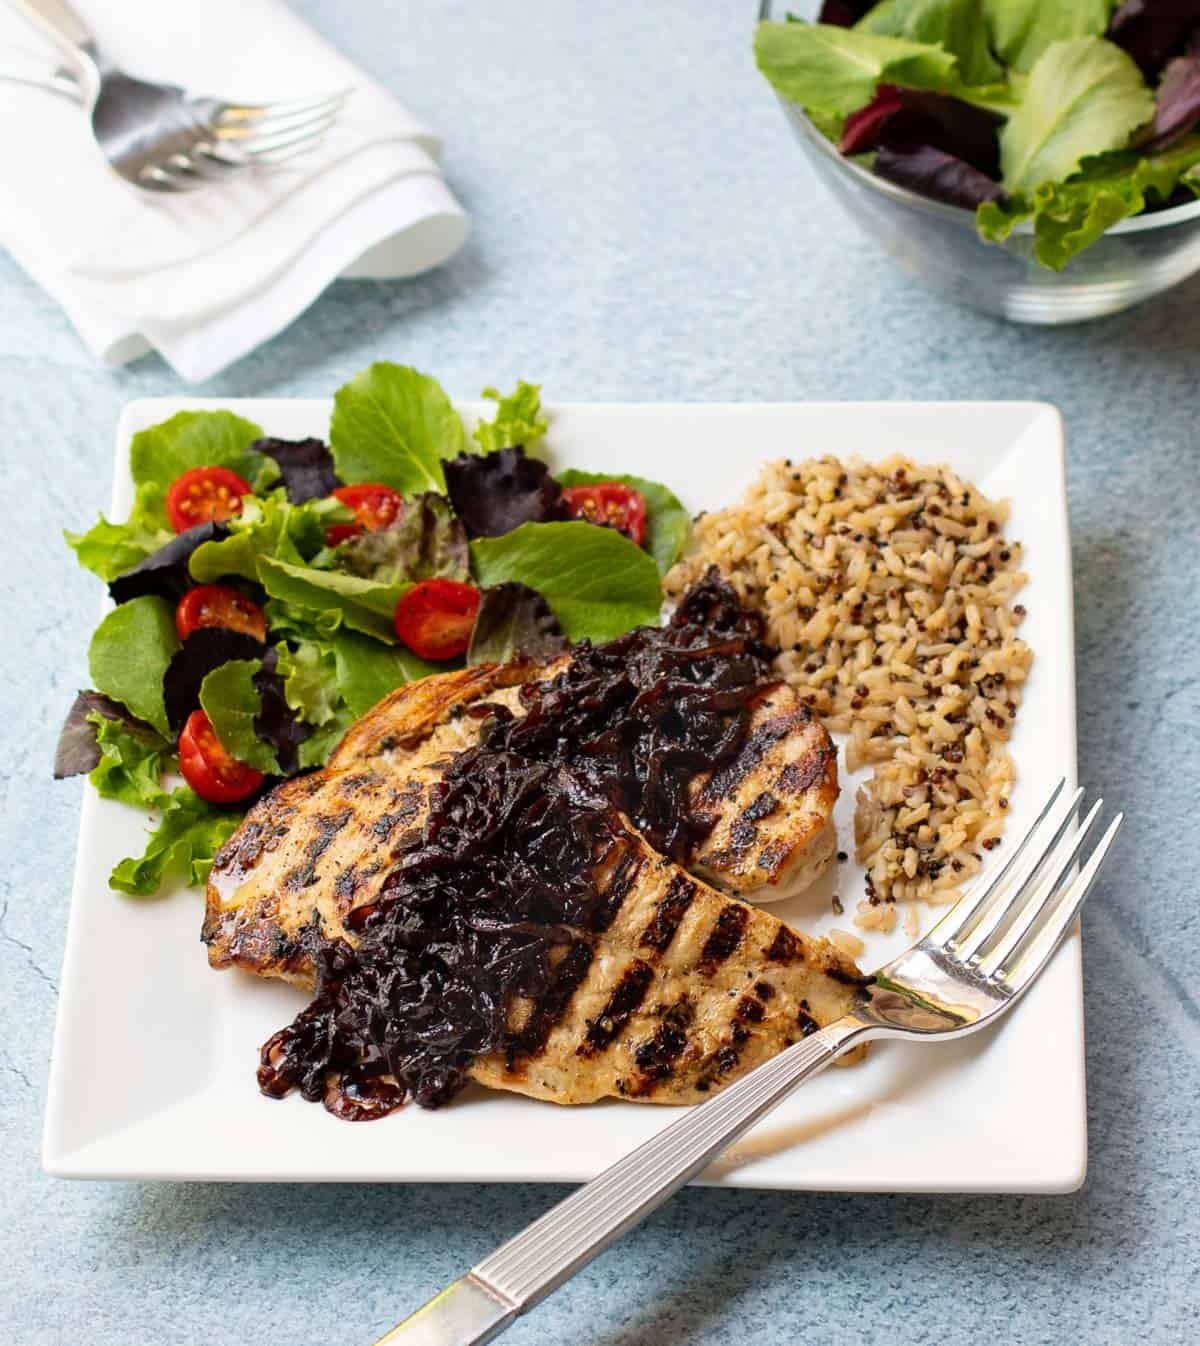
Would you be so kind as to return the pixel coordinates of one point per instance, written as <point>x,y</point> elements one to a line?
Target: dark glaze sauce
<point>497,898</point>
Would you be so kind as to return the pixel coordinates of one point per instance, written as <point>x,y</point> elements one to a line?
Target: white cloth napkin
<point>206,276</point>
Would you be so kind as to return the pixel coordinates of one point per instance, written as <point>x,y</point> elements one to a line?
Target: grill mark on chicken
<point>626,997</point>
<point>726,1057</point>
<point>724,937</point>
<point>762,807</point>
<point>759,743</point>
<point>625,874</point>
<point>785,948</point>
<point>744,832</point>
<point>292,951</point>
<point>849,978</point>
<point>808,1024</point>
<point>325,828</point>
<point>656,1057</point>
<point>256,838</point>
<point>347,882</point>
<point>408,801</point>
<point>772,855</point>
<point>668,914</point>
<point>554,1003</point>
<point>350,880</point>
<point>799,776</point>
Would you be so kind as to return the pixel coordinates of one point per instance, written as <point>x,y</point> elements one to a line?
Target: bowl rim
<point>1159,219</point>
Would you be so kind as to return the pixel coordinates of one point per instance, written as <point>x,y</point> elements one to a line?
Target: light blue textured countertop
<point>644,228</point>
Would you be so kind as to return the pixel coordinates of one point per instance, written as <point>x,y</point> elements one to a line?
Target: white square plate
<point>153,1072</point>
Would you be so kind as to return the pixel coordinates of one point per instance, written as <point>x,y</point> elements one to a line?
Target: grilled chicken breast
<point>681,990</point>
<point>770,810</point>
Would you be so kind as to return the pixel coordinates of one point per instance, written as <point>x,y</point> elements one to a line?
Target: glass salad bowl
<point>938,244</point>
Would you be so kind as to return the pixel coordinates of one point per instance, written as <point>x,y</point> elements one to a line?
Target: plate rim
<point>1068,1176</point>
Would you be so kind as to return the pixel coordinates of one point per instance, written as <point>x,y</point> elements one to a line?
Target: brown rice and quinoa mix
<point>888,588</point>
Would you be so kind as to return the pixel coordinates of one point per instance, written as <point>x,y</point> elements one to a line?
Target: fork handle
<point>16,69</point>
<point>59,22</point>
<point>517,1276</point>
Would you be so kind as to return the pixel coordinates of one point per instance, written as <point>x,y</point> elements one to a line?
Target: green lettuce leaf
<point>365,605</point>
<point>323,673</point>
<point>1084,98</point>
<point>315,749</point>
<point>955,25</point>
<point>310,687</point>
<point>427,541</point>
<point>395,425</point>
<point>270,527</point>
<point>598,584</point>
<point>199,439</point>
<point>232,703</point>
<point>1070,216</point>
<point>1021,30</point>
<point>368,671</point>
<point>330,680</point>
<point>129,654</point>
<point>309,680</point>
<point>518,420</point>
<point>296,623</point>
<point>189,834</point>
<point>131,765</point>
<point>668,525</point>
<point>832,72</point>
<point>110,549</point>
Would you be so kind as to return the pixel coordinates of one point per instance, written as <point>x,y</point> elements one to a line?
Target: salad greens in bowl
<point>1040,161</point>
<point>266,593</point>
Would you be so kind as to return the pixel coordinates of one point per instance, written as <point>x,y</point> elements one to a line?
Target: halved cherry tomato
<point>204,495</point>
<point>375,506</point>
<point>219,605</point>
<point>434,619</point>
<point>611,503</point>
<point>208,768</point>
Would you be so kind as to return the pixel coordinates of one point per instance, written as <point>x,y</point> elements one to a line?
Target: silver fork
<point>971,968</point>
<point>159,137</point>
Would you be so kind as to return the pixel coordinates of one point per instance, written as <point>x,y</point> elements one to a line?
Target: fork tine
<point>1028,958</point>
<point>246,137</point>
<point>252,117</point>
<point>207,157</point>
<point>204,165</point>
<point>992,914</point>
<point>302,135</point>
<point>995,949</point>
<point>186,168</point>
<point>963,913</point>
<point>158,178</point>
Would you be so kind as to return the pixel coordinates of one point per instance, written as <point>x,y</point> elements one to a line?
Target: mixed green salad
<point>268,592</point>
<point>1074,114</point>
